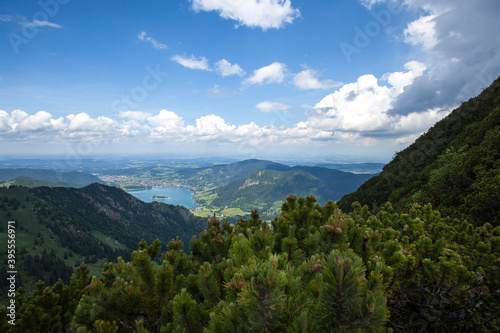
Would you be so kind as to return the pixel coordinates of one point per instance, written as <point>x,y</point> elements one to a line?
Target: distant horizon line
<point>340,158</point>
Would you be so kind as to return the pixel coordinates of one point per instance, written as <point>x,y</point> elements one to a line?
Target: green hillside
<point>70,178</point>
<point>32,182</point>
<point>455,165</point>
<point>60,228</point>
<point>223,174</point>
<point>265,190</point>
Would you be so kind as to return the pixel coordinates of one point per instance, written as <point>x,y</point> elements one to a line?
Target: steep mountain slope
<point>223,174</point>
<point>116,213</point>
<point>265,189</point>
<point>455,165</point>
<point>72,178</point>
<point>58,228</point>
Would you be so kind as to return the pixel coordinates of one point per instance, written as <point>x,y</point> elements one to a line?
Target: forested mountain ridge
<point>58,228</point>
<point>69,178</point>
<point>455,165</point>
<point>266,188</point>
<point>223,174</point>
<point>33,182</point>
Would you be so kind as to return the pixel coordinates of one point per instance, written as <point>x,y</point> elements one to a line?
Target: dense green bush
<point>313,269</point>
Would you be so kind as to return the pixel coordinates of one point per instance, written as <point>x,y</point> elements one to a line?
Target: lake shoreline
<point>173,195</point>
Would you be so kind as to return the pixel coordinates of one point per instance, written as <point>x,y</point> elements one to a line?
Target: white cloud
<point>39,23</point>
<point>192,63</point>
<point>369,3</point>
<point>19,122</point>
<point>356,107</point>
<point>225,68</point>
<point>459,42</point>
<point>166,122</point>
<point>264,14</point>
<point>134,115</point>
<point>157,45</point>
<point>356,115</point>
<point>273,73</point>
<point>306,80</point>
<point>419,121</point>
<point>363,108</point>
<point>271,106</point>
<point>210,127</point>
<point>399,80</point>
<point>83,124</point>
<point>4,122</point>
<point>41,121</point>
<point>422,32</point>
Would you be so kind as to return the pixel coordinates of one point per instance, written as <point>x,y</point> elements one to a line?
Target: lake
<point>176,196</point>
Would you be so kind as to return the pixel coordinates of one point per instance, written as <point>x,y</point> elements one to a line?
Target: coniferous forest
<point>427,262</point>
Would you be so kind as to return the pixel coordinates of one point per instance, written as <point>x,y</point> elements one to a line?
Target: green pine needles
<point>313,269</point>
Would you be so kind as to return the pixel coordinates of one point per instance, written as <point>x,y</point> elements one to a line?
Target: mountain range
<point>264,185</point>
<point>41,177</point>
<point>266,189</point>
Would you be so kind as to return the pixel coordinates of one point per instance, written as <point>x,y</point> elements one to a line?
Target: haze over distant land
<point>252,79</point>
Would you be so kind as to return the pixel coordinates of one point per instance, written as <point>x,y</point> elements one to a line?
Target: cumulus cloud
<point>307,79</point>
<point>422,32</point>
<point>41,121</point>
<point>225,68</point>
<point>272,106</point>
<point>20,122</point>
<point>19,125</point>
<point>264,14</point>
<point>273,73</point>
<point>358,113</point>
<point>399,80</point>
<point>211,127</point>
<point>157,45</point>
<point>359,106</point>
<point>83,124</point>
<point>192,62</point>
<point>4,122</point>
<point>462,47</point>
<point>364,108</point>
<point>166,122</point>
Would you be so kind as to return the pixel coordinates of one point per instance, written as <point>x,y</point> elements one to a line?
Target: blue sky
<point>245,78</point>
